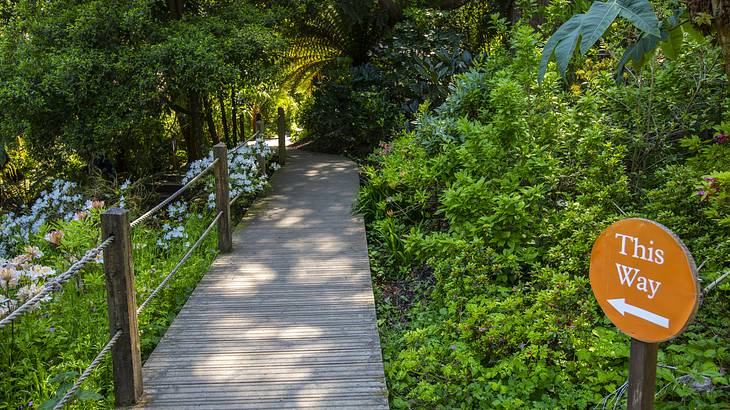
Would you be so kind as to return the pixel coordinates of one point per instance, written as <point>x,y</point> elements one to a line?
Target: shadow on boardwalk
<point>287,320</point>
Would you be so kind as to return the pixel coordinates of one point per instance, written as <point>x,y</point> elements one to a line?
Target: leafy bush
<point>44,351</point>
<point>352,110</point>
<point>348,114</point>
<point>501,192</point>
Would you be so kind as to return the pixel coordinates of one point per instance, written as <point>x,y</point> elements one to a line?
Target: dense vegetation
<point>496,139</point>
<point>482,218</point>
<point>86,82</point>
<point>45,350</point>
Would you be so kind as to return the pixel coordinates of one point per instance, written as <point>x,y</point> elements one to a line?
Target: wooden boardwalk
<point>287,320</point>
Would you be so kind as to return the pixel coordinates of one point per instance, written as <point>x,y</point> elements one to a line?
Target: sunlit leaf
<point>589,27</point>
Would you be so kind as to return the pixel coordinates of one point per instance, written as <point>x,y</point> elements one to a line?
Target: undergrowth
<point>481,222</point>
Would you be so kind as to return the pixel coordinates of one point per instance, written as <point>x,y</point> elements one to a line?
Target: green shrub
<point>501,193</point>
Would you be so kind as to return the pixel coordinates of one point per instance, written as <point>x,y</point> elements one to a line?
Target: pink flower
<point>96,204</point>
<point>54,237</point>
<point>721,138</point>
<point>81,215</point>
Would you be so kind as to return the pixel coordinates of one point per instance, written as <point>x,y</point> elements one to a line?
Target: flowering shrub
<point>61,202</point>
<point>63,333</point>
<point>21,278</point>
<point>715,192</point>
<point>244,179</point>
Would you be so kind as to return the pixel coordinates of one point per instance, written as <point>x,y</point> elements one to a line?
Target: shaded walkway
<point>287,320</point>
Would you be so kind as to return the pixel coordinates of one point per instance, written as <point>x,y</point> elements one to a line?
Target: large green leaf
<point>566,37</point>
<point>670,39</point>
<point>673,44</point>
<point>596,21</point>
<point>640,14</point>
<point>589,27</point>
<point>637,53</point>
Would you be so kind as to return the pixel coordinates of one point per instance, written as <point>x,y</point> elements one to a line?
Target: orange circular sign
<point>645,279</point>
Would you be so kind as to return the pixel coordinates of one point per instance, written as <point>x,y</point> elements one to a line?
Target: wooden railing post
<point>122,307</point>
<point>223,197</point>
<point>282,137</point>
<point>261,156</point>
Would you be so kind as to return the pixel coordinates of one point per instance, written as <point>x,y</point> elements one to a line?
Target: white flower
<point>54,237</point>
<point>33,252</point>
<point>80,216</point>
<point>28,291</point>
<point>125,185</point>
<point>20,260</point>
<point>9,278</point>
<point>39,271</point>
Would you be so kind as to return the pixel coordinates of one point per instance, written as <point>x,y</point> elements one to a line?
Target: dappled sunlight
<point>288,316</point>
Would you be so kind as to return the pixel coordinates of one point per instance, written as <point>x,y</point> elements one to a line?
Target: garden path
<point>287,319</point>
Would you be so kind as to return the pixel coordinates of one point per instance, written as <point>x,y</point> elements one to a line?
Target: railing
<point>116,246</point>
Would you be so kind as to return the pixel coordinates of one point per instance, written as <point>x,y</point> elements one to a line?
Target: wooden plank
<point>346,402</point>
<point>287,319</point>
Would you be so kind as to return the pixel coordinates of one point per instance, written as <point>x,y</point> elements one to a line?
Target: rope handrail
<point>173,196</point>
<point>94,364</point>
<point>54,284</point>
<point>237,197</point>
<point>244,143</point>
<point>179,264</point>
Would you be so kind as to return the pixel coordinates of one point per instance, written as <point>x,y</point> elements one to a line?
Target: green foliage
<point>339,34</point>
<point>44,352</point>
<point>589,27</point>
<point>347,115</point>
<point>84,82</point>
<point>499,195</point>
<point>352,110</point>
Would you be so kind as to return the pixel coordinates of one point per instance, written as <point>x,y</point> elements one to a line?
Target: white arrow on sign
<point>623,307</point>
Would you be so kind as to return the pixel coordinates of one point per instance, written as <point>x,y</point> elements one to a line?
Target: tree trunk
<point>721,20</point>
<point>209,119</point>
<point>185,130</point>
<point>195,140</point>
<point>254,113</point>
<point>176,8</point>
<point>234,108</point>
<point>226,134</point>
<point>242,126</point>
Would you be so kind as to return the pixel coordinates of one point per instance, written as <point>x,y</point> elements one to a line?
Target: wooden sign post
<point>645,280</point>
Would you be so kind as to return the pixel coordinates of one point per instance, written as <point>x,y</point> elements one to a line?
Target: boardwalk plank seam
<point>287,320</point>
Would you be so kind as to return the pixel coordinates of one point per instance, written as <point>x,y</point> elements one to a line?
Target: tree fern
<point>342,33</point>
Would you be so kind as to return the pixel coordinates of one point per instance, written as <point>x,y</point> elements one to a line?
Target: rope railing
<point>54,284</point>
<point>119,275</point>
<point>180,263</point>
<point>244,143</point>
<point>237,197</point>
<point>90,369</point>
<point>173,196</point>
